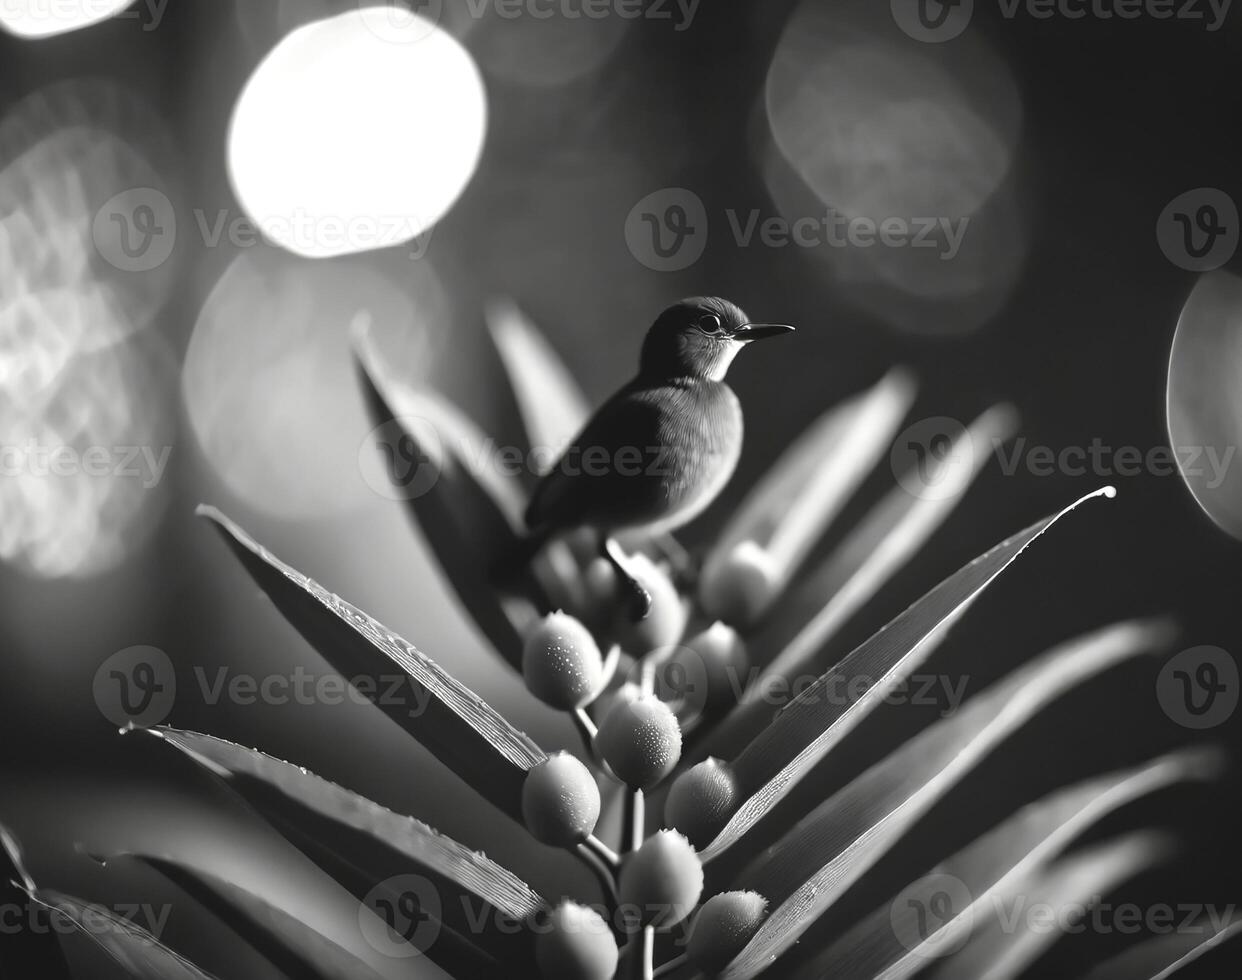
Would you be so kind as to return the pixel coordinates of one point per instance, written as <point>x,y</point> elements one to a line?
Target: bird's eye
<point>709,323</point>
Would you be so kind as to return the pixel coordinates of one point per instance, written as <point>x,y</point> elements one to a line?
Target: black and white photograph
<point>620,489</point>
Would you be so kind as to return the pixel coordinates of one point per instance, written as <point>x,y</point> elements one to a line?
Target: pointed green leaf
<point>461,729</point>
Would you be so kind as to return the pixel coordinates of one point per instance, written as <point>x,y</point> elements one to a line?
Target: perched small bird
<point>663,447</point>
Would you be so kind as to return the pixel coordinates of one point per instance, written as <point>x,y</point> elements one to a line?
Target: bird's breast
<point>701,441</point>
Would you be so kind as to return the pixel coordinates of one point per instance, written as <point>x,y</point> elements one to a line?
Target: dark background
<point>1117,118</point>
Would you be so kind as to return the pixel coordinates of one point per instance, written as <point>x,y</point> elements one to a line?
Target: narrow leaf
<point>844,836</point>
<point>886,538</point>
<point>552,406</point>
<point>901,937</point>
<point>326,820</point>
<point>806,729</point>
<point>468,510</point>
<point>1001,949</point>
<point>126,943</point>
<point>787,511</point>
<point>1167,955</point>
<point>289,944</point>
<point>454,723</point>
<point>37,945</point>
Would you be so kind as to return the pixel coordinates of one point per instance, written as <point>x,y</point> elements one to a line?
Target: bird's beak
<point>757,331</point>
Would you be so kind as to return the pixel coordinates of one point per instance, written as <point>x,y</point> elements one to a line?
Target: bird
<point>660,450</point>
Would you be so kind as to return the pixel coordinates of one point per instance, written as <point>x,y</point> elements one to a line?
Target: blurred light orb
<point>85,432</point>
<point>1204,402</point>
<point>892,163</point>
<point>345,141</point>
<point>268,380</point>
<point>47,18</point>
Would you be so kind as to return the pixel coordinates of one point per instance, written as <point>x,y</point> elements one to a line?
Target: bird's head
<point>699,338</point>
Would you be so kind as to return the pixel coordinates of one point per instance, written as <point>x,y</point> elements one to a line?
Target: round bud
<point>665,622</point>
<point>660,883</point>
<point>561,662</point>
<point>707,673</point>
<point>723,927</point>
<point>560,801</point>
<point>701,801</point>
<point>640,740</point>
<point>739,587</point>
<point>576,944</point>
<point>626,693</point>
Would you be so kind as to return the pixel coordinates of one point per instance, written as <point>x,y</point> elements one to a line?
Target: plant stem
<point>586,728</point>
<point>603,871</point>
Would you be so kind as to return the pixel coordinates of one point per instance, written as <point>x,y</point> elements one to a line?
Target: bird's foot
<point>638,601</point>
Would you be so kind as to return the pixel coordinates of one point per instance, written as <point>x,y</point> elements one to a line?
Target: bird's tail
<point>510,566</point>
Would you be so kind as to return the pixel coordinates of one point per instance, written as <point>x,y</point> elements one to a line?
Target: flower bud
<point>640,740</point>
<point>701,801</point>
<point>706,674</point>
<point>723,927</point>
<point>661,882</point>
<point>576,945</point>
<point>560,801</point>
<point>740,587</point>
<point>561,662</point>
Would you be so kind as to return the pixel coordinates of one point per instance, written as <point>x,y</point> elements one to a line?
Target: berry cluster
<point>658,680</point>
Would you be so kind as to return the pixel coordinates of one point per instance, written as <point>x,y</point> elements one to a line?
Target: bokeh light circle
<point>344,142</point>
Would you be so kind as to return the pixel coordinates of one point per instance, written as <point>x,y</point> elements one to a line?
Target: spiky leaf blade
<point>461,729</point>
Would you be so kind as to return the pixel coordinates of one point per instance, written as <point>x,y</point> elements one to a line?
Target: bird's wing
<point>605,473</point>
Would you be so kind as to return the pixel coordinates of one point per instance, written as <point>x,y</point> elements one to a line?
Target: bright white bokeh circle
<point>47,18</point>
<point>343,141</point>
